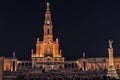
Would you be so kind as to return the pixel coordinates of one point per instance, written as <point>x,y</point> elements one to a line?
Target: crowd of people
<point>64,76</point>
<point>75,75</point>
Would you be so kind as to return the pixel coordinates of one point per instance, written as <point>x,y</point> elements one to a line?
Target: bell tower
<point>47,56</point>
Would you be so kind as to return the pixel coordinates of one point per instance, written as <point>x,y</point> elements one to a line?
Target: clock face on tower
<point>48,22</point>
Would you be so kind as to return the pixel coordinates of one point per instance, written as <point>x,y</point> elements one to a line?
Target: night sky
<point>80,25</point>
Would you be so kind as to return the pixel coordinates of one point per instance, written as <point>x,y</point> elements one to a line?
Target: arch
<point>117,66</point>
<point>48,31</point>
<point>7,67</point>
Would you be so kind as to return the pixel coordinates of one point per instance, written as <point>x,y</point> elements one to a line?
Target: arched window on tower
<point>48,31</point>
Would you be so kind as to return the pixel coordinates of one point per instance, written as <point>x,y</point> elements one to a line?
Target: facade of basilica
<point>48,56</point>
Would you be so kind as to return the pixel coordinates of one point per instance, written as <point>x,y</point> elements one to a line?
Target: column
<point>1,68</point>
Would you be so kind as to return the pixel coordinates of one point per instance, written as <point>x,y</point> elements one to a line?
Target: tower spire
<point>48,6</point>
<point>48,24</point>
<point>48,15</point>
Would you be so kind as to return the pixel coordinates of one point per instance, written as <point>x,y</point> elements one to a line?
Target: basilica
<point>48,55</point>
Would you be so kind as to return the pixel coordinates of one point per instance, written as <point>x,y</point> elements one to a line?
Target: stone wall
<point>1,68</point>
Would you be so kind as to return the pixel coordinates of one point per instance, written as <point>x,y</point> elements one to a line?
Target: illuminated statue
<point>111,68</point>
<point>110,43</point>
